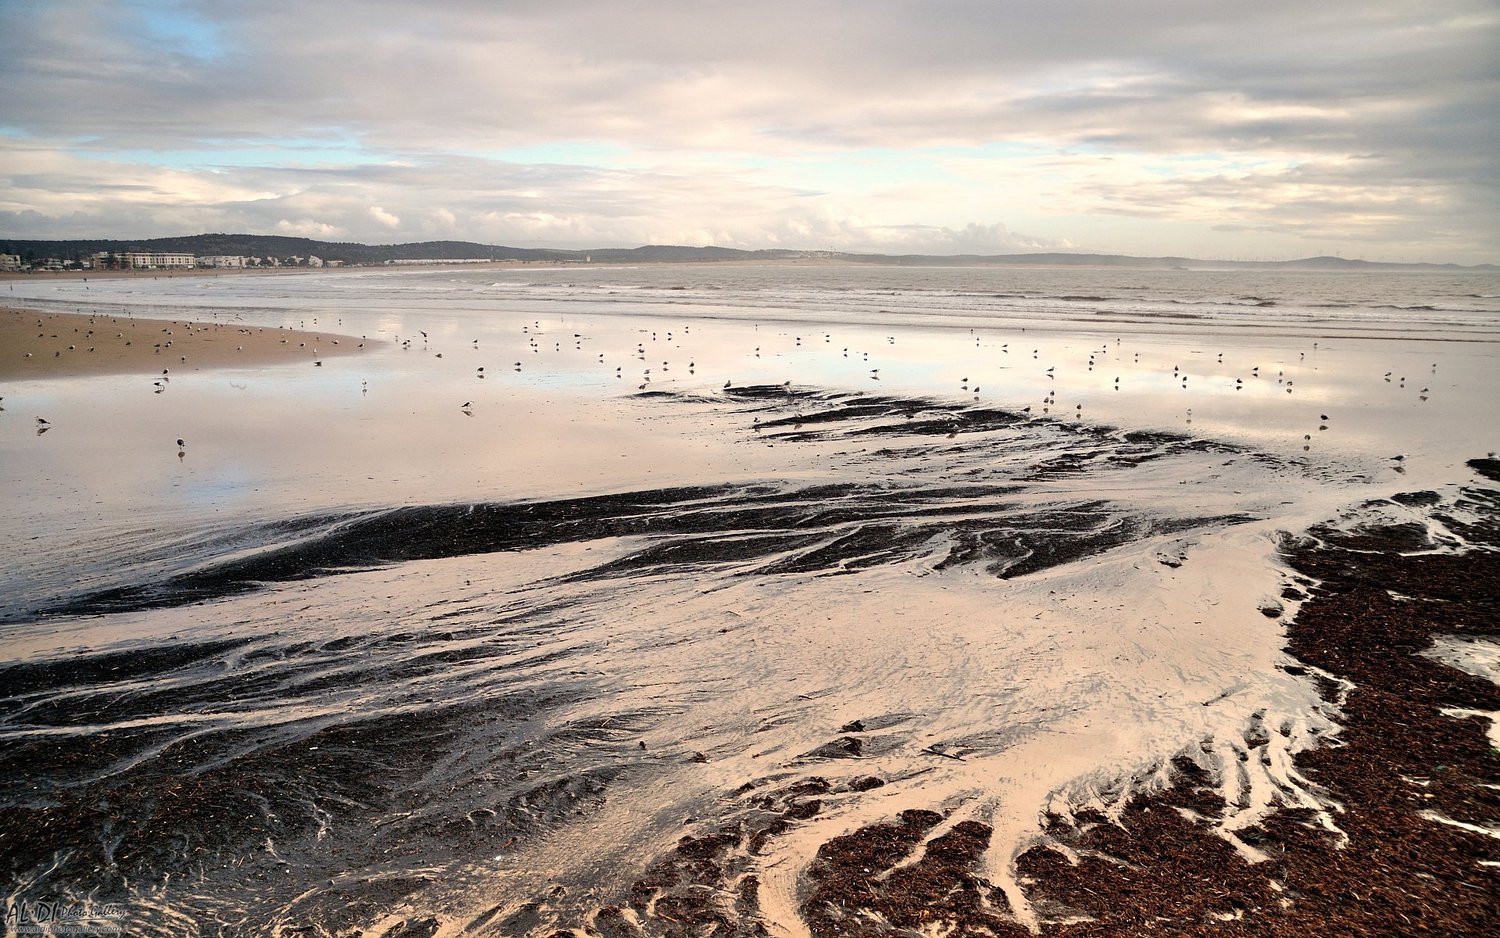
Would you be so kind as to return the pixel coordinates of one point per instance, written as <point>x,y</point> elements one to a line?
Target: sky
<point>1253,130</point>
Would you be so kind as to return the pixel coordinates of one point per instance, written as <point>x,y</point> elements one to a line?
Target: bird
<point>43,422</point>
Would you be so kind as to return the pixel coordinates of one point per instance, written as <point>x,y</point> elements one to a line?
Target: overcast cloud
<point>1225,129</point>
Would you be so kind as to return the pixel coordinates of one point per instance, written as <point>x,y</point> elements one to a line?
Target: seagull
<point>43,422</point>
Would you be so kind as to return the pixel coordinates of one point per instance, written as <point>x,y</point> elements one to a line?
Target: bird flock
<point>662,358</point>
<point>670,358</point>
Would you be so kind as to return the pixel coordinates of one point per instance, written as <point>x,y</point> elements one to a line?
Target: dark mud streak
<point>403,534</point>
<point>399,790</point>
<point>764,529</point>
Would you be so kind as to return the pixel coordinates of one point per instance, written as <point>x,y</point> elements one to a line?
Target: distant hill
<point>246,245</point>
<point>352,253</point>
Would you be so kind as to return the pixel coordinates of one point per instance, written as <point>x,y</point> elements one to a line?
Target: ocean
<point>575,562</point>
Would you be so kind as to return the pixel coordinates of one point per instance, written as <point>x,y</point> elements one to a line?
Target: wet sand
<point>55,345</point>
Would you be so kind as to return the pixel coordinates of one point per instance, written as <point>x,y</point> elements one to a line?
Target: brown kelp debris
<point>866,883</point>
<point>1406,773</point>
<point>1415,779</point>
<point>707,885</point>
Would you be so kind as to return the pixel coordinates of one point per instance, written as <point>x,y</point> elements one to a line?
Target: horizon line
<point>811,252</point>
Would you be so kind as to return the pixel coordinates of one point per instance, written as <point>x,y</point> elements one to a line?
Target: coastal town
<point>159,260</point>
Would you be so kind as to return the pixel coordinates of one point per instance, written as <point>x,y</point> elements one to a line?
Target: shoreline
<point>41,345</point>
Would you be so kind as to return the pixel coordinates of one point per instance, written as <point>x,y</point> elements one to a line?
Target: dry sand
<point>53,345</point>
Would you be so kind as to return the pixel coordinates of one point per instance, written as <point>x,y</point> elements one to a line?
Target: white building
<point>10,262</point>
<point>155,260</point>
<point>221,260</point>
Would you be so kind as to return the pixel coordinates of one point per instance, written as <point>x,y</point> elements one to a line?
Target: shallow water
<point>361,654</point>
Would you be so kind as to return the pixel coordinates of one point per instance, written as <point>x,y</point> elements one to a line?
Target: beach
<point>755,600</point>
<point>38,345</point>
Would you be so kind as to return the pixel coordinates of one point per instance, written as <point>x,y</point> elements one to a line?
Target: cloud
<point>1062,118</point>
<point>306,228</point>
<point>385,218</point>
